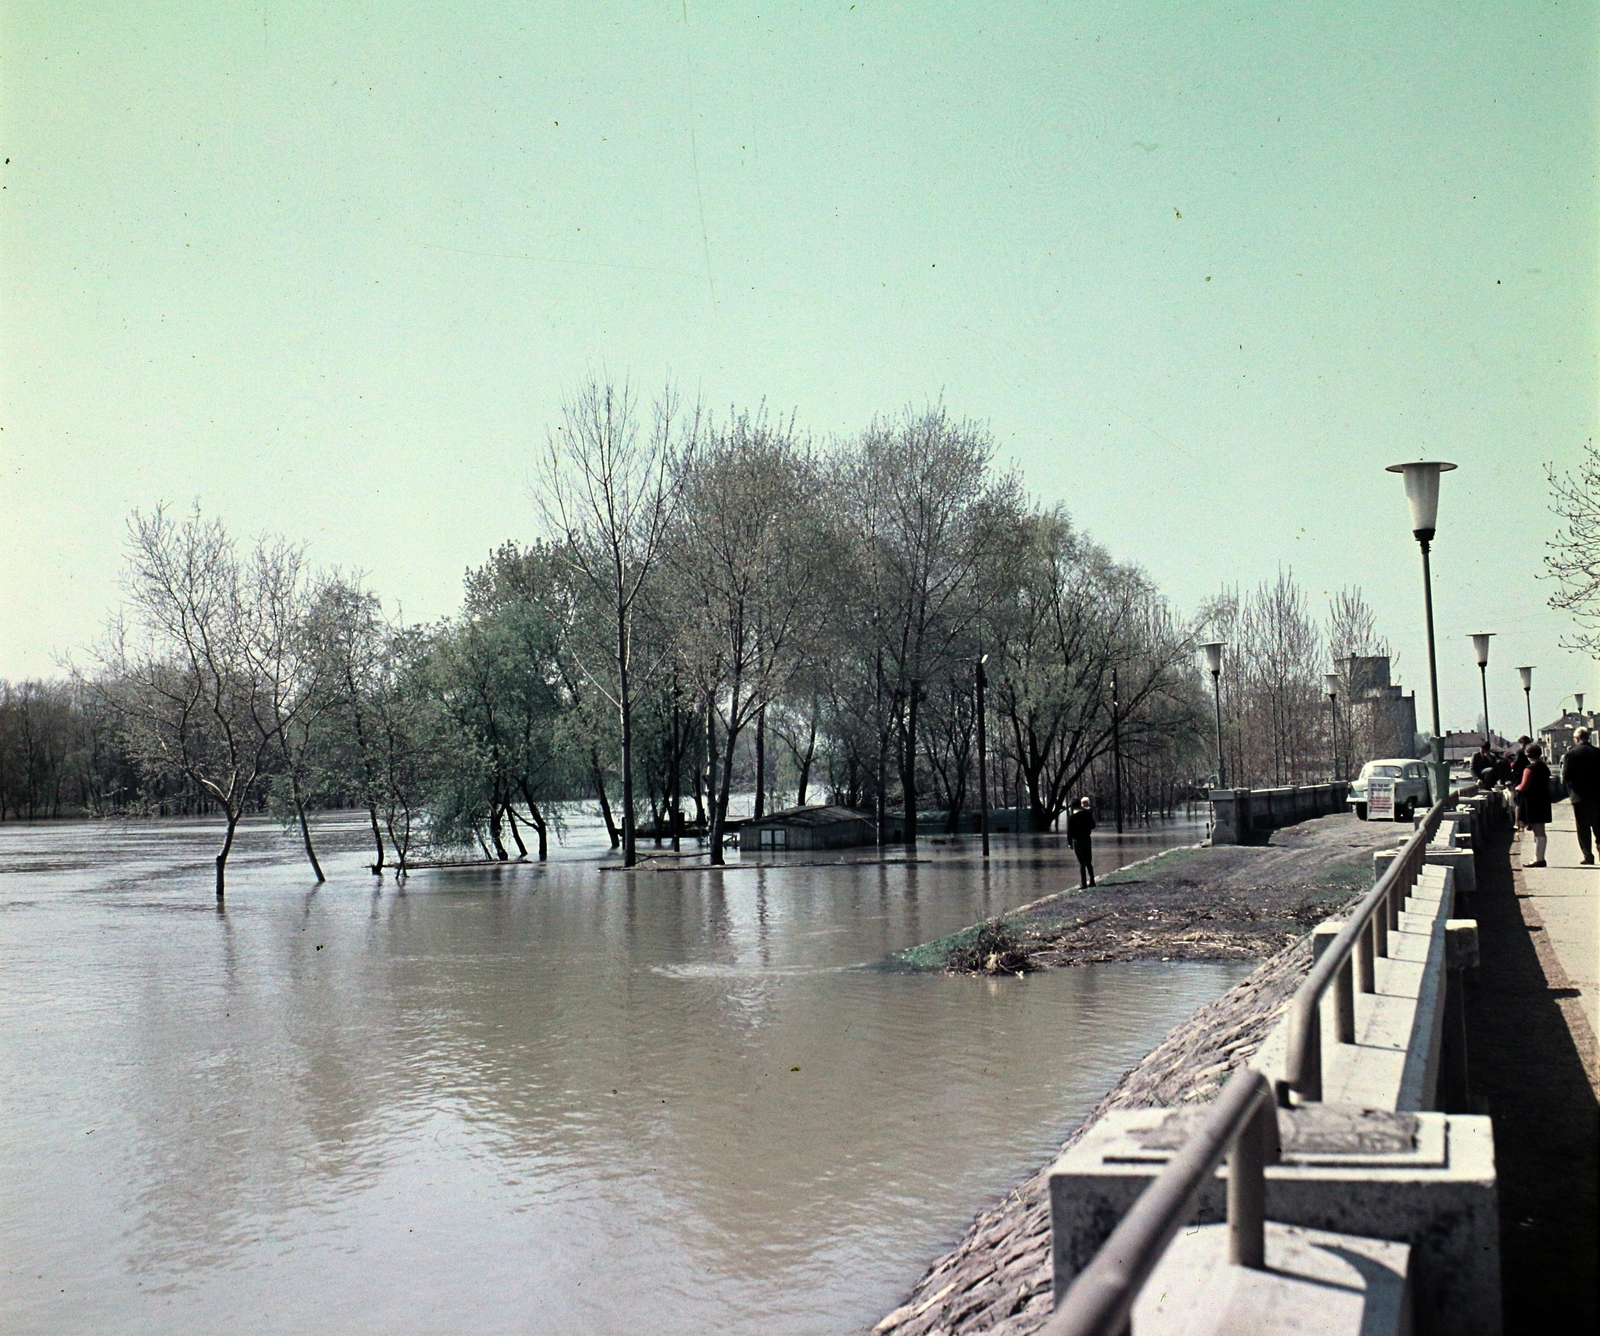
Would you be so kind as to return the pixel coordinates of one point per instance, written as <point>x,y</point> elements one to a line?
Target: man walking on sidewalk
<point>1580,772</point>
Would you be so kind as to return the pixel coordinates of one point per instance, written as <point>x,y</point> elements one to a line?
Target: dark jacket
<point>1580,772</point>
<point>1079,824</point>
<point>1484,765</point>
<point>1535,791</point>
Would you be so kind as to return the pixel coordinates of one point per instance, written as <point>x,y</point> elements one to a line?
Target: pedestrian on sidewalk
<point>1580,772</point>
<point>1519,765</point>
<point>1079,827</point>
<point>1484,765</point>
<point>1534,790</point>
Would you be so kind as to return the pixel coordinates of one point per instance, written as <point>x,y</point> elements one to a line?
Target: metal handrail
<point>1242,1124</point>
<point>1347,963</point>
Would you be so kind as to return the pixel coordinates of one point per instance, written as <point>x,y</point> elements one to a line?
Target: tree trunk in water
<point>539,824</point>
<point>713,817</point>
<point>305,827</point>
<point>494,832</point>
<point>377,838</point>
<point>511,816</point>
<point>605,802</point>
<point>761,763</point>
<point>222,858</point>
<point>719,804</point>
<point>630,854</point>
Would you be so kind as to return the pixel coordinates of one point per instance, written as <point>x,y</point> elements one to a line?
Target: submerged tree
<point>184,664</point>
<point>609,493</point>
<point>754,562</point>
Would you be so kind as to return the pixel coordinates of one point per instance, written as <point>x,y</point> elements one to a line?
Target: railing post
<point>1247,1190</point>
<point>1311,1091</point>
<point>1345,1003</point>
<point>1380,933</point>
<point>1365,981</point>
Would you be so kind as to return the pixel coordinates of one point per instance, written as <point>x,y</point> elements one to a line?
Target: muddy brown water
<point>536,1099</point>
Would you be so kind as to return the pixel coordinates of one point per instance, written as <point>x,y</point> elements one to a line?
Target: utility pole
<point>983,761</point>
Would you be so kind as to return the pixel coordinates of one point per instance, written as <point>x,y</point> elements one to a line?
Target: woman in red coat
<point>1534,790</point>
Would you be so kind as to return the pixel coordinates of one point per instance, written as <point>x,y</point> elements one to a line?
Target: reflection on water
<point>534,1099</point>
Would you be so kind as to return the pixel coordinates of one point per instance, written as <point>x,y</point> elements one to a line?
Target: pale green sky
<point>1203,268</point>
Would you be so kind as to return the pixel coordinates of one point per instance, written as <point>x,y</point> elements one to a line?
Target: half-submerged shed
<point>819,826</point>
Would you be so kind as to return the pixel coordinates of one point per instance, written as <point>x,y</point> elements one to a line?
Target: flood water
<point>532,1100</point>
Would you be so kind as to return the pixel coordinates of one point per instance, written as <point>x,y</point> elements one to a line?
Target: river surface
<point>534,1099</point>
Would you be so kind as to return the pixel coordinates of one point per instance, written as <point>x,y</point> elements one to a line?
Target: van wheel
<point>1408,812</point>
<point>1361,811</point>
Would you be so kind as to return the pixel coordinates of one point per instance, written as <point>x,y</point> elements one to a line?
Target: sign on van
<point>1380,798</point>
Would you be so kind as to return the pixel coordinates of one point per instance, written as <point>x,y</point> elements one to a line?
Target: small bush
<point>994,950</point>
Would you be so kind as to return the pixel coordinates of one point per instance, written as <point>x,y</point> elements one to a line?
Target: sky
<point>1202,269</point>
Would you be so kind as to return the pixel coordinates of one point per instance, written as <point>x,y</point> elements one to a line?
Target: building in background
<point>1557,737</point>
<point>1382,718</point>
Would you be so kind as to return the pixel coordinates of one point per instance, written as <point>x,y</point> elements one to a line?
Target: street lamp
<point>983,761</point>
<point>1212,649</point>
<point>1480,647</point>
<point>1526,674</point>
<point>1422,493</point>
<point>1116,748</point>
<point>1331,682</point>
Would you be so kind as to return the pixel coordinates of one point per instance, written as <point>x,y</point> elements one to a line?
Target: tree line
<point>1278,723</point>
<point>705,605</point>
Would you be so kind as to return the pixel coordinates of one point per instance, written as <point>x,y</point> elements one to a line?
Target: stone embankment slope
<point>997,1280</point>
<point>1231,902</point>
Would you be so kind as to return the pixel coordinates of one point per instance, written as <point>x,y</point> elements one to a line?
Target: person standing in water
<point>1079,827</point>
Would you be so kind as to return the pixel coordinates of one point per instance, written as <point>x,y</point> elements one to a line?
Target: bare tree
<point>758,554</point>
<point>346,631</point>
<point>183,664</point>
<point>929,518</point>
<point>279,655</point>
<point>608,494</point>
<point>1573,559</point>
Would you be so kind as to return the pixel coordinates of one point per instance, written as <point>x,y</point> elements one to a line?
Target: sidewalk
<point>1566,896</point>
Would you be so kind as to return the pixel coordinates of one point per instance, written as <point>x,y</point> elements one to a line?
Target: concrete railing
<point>1373,1172</point>
<point>1348,964</point>
<point>1241,1126</point>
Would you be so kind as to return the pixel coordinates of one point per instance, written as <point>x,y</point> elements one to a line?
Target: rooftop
<point>816,814</point>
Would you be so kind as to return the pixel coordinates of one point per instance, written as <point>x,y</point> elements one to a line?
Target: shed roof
<point>816,814</point>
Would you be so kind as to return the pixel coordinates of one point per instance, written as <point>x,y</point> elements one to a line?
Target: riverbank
<point>1228,902</point>
<point>1184,904</point>
<point>997,1280</point>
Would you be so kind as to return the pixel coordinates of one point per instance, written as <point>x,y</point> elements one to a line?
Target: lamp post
<point>983,761</point>
<point>1480,647</point>
<point>1422,493</point>
<point>1212,649</point>
<point>1526,674</point>
<point>1116,748</point>
<point>1331,682</point>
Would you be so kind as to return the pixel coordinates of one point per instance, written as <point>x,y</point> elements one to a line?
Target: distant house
<point>818,826</point>
<point>1557,737</point>
<point>1462,747</point>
